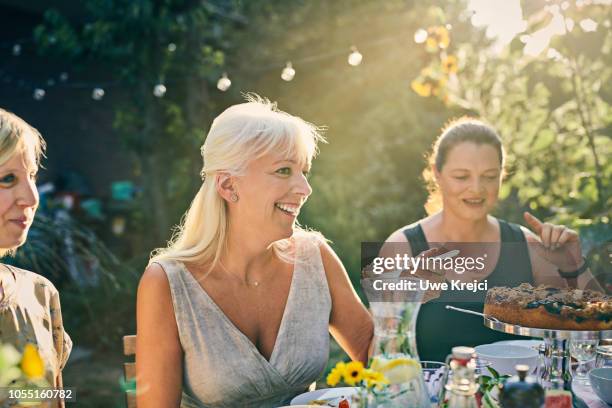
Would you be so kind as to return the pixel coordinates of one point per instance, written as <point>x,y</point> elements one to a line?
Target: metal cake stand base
<point>555,372</point>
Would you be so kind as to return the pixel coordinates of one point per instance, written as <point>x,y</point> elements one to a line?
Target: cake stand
<point>555,371</point>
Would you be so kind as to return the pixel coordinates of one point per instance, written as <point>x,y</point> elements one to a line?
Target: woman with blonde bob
<point>30,314</point>
<point>236,311</point>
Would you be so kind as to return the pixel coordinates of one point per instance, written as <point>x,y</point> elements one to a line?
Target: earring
<point>234,197</point>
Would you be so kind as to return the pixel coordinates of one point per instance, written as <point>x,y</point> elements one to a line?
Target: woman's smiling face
<point>271,193</point>
<point>470,180</point>
<point>18,199</point>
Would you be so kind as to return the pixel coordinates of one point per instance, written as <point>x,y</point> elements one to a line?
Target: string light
<point>420,36</point>
<point>159,90</point>
<point>224,83</point>
<point>288,72</point>
<point>354,57</point>
<point>39,94</point>
<point>97,94</point>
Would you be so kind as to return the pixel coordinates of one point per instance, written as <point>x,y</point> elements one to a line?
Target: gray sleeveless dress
<point>223,368</point>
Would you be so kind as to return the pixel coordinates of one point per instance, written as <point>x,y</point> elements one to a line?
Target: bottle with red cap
<point>462,387</point>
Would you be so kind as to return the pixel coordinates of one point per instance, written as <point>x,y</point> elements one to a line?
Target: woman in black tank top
<point>464,178</point>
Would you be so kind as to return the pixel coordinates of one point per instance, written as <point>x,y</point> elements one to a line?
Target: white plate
<point>534,344</point>
<point>324,394</point>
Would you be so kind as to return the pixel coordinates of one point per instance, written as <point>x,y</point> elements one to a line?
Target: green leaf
<point>493,372</point>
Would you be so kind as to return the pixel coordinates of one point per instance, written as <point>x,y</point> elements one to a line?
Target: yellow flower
<point>421,88</point>
<point>437,87</point>
<point>431,44</point>
<point>443,37</point>
<point>32,364</point>
<point>336,374</point>
<point>449,64</point>
<point>374,379</point>
<point>437,37</point>
<point>353,373</point>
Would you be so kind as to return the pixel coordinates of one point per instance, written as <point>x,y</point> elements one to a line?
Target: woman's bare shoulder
<point>154,281</point>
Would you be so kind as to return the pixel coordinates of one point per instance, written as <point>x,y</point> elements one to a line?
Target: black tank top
<point>439,329</point>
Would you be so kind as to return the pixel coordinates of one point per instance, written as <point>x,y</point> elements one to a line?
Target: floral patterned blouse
<point>30,313</point>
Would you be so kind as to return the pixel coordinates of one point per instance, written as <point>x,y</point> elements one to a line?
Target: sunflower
<point>336,374</point>
<point>438,86</point>
<point>353,373</point>
<point>437,37</point>
<point>422,88</point>
<point>449,64</point>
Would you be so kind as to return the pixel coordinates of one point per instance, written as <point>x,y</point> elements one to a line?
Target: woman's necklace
<point>254,283</point>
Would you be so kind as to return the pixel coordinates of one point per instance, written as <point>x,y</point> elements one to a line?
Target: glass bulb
<point>159,90</point>
<point>172,47</point>
<point>16,50</point>
<point>224,83</point>
<point>39,94</point>
<point>355,57</point>
<point>288,73</point>
<point>63,76</point>
<point>97,94</point>
<point>420,36</point>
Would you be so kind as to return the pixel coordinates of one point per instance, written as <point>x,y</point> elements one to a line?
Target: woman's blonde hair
<point>239,135</point>
<point>464,129</point>
<point>16,136</point>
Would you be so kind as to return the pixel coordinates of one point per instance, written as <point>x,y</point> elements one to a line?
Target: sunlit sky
<point>503,20</point>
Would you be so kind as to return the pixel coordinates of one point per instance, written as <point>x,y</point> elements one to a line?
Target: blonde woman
<point>29,304</point>
<point>236,311</point>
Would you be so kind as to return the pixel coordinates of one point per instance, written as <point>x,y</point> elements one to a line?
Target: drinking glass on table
<point>603,357</point>
<point>434,374</point>
<point>583,351</point>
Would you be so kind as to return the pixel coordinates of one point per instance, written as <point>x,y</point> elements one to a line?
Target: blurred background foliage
<point>549,100</point>
<point>550,104</point>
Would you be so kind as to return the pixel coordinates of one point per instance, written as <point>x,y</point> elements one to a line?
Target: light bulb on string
<point>224,83</point>
<point>63,76</point>
<point>159,90</point>
<point>420,36</point>
<point>50,82</point>
<point>39,94</point>
<point>354,57</point>
<point>172,47</point>
<point>17,50</point>
<point>288,72</point>
<point>97,94</point>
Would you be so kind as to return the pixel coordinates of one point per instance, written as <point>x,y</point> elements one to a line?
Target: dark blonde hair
<point>16,136</point>
<point>464,129</point>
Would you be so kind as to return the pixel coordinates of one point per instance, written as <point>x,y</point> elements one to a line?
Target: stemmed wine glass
<point>583,351</point>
